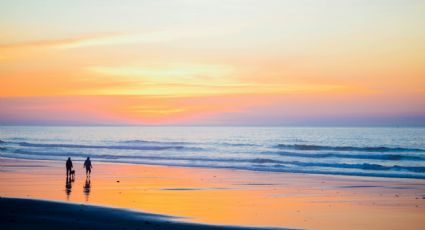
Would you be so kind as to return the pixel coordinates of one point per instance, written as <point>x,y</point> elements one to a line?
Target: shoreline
<point>229,169</point>
<point>376,176</point>
<point>225,196</point>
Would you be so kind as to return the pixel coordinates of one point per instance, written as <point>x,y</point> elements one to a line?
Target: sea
<point>361,151</point>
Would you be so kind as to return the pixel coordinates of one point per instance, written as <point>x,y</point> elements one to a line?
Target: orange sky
<point>196,62</point>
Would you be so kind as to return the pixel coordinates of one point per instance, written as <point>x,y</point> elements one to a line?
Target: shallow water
<point>374,152</point>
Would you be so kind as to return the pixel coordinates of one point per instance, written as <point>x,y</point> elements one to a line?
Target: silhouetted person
<point>88,166</point>
<point>68,167</point>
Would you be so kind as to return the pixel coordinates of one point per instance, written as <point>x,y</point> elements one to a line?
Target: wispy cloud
<point>92,40</point>
<point>174,70</point>
<point>33,48</point>
<point>120,38</point>
<point>179,80</point>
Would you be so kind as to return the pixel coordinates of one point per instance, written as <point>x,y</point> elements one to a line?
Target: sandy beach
<point>217,196</point>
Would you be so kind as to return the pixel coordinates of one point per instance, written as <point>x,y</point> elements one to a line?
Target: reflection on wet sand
<point>68,186</point>
<point>87,187</point>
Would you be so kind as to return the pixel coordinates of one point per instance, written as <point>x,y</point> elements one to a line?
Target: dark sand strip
<point>16,213</point>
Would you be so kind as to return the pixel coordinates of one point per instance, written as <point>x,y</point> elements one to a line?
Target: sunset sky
<point>199,62</point>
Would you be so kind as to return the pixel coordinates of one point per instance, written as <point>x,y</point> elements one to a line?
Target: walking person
<point>69,167</point>
<point>88,166</point>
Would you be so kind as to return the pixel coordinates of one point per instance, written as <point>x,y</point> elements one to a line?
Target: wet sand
<point>226,197</point>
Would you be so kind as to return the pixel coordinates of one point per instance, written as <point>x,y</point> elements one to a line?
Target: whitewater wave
<point>119,147</point>
<point>387,157</point>
<point>267,165</point>
<point>347,148</point>
<point>156,142</point>
<point>251,161</point>
<point>363,166</point>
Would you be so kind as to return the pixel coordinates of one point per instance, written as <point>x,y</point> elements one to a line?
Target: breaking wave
<point>347,148</point>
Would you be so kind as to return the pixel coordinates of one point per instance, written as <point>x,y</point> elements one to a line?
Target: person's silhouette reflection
<point>68,187</point>
<point>87,187</point>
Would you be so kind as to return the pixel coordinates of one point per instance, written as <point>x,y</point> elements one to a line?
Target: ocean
<point>368,151</point>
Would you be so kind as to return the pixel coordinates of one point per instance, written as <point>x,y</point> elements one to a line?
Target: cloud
<point>32,48</point>
<point>199,79</point>
<point>92,40</point>
<point>120,38</point>
<point>212,110</point>
<point>16,51</point>
<point>116,109</point>
<point>175,70</point>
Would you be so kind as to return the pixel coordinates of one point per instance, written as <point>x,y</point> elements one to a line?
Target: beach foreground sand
<point>37,214</point>
<point>213,196</point>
